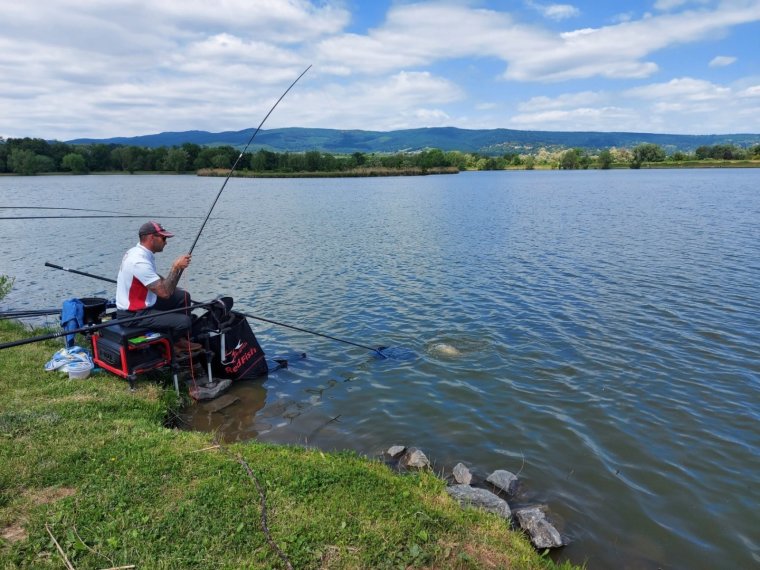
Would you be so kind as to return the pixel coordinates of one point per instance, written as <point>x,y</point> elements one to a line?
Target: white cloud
<point>722,61</point>
<point>682,89</point>
<point>555,11</point>
<point>403,100</point>
<point>667,5</point>
<point>581,99</point>
<point>125,67</point>
<point>753,91</point>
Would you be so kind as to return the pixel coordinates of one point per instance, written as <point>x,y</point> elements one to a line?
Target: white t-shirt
<point>137,271</point>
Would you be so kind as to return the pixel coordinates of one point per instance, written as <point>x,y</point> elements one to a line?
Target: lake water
<point>595,331</point>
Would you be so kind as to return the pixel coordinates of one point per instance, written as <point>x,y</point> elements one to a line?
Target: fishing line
<point>378,350</point>
<point>203,225</point>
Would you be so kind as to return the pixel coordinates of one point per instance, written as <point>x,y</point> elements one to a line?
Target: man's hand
<point>182,262</point>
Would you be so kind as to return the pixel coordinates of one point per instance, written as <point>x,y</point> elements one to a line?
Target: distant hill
<point>487,141</point>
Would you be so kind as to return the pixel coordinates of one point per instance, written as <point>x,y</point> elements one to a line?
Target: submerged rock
<point>480,498</point>
<point>541,532</point>
<point>461,474</point>
<point>209,391</point>
<point>504,480</point>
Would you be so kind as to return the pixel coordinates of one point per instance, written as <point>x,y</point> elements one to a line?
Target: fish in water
<point>443,349</point>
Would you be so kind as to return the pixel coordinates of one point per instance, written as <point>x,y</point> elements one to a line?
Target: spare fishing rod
<point>91,328</point>
<point>25,314</point>
<point>229,175</point>
<point>54,266</point>
<point>378,350</point>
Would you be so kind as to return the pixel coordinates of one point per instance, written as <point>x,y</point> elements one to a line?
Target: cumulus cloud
<point>683,105</point>
<point>126,67</point>
<point>722,61</point>
<point>555,11</point>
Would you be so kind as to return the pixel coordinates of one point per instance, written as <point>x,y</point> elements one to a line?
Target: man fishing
<point>141,291</point>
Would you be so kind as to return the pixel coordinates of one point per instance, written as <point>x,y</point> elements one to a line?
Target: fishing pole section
<point>237,160</point>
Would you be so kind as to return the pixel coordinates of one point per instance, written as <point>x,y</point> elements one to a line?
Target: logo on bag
<point>238,356</point>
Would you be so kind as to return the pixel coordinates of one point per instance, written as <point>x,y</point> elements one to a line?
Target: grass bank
<point>91,464</point>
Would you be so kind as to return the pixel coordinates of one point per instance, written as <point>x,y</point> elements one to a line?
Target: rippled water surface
<point>596,331</point>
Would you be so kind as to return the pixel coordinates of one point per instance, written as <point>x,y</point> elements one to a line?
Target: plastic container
<point>94,307</point>
<point>78,370</point>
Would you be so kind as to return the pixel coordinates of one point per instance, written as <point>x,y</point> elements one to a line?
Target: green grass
<point>94,464</point>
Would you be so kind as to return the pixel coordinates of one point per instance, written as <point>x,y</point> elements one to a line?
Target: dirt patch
<point>49,495</point>
<point>14,533</point>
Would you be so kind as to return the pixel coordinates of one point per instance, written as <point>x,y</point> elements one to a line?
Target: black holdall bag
<point>237,354</point>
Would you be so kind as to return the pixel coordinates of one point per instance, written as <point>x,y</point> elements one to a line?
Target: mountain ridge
<point>483,141</point>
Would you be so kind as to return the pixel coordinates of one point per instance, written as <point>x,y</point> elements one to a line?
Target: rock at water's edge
<point>461,474</point>
<point>504,480</point>
<point>480,498</point>
<point>415,458</point>
<point>396,450</point>
<point>541,532</point>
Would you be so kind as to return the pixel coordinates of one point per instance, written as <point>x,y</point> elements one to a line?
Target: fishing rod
<point>378,350</point>
<point>54,266</point>
<point>91,328</point>
<point>84,217</point>
<point>203,225</point>
<point>22,314</point>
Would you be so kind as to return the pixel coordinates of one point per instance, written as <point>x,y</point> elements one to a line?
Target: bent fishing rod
<point>92,328</point>
<point>229,175</point>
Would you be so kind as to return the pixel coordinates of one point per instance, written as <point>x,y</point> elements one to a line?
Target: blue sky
<point>85,68</point>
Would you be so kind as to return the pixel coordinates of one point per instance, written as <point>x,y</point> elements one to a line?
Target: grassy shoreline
<point>91,464</point>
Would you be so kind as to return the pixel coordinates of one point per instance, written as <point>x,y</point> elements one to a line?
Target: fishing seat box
<point>129,351</point>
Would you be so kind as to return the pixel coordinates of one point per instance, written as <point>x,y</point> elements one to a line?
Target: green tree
<point>176,160</point>
<point>23,161</point>
<point>75,163</point>
<point>313,160</point>
<point>647,152</point>
<point>569,160</point>
<point>124,157</point>
<point>99,157</point>
<point>604,160</point>
<point>530,162</point>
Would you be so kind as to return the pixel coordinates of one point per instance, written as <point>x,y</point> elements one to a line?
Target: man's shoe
<point>185,345</point>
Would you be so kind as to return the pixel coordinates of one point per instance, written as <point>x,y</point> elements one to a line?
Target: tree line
<point>29,156</point>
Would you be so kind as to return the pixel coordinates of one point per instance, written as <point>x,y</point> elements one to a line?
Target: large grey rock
<point>396,450</point>
<point>415,458</point>
<point>462,474</point>
<point>480,498</point>
<point>541,532</point>
<point>504,480</point>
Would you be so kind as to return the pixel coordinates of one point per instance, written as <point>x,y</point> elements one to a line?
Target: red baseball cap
<point>152,227</point>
